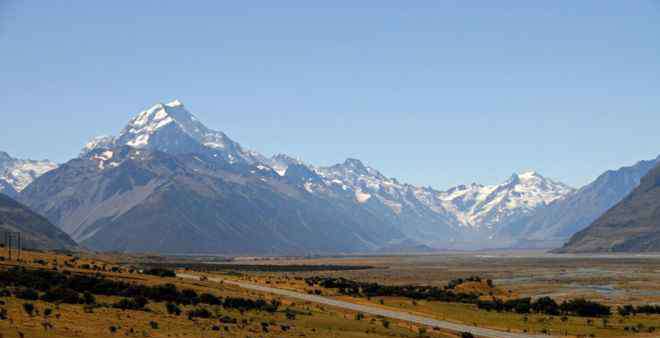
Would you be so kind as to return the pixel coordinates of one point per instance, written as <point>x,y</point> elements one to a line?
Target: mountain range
<point>16,174</point>
<point>553,225</point>
<point>168,183</point>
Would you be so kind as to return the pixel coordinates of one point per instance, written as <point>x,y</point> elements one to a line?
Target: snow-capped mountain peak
<point>478,205</point>
<point>354,169</point>
<point>20,173</point>
<point>170,127</point>
<point>141,127</point>
<point>281,162</point>
<point>98,142</point>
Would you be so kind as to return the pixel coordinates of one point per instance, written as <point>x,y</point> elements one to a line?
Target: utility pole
<point>13,242</point>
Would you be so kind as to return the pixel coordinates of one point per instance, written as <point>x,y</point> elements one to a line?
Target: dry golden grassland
<point>67,320</point>
<point>610,280</point>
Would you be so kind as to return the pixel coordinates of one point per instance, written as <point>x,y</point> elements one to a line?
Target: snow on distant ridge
<point>477,207</point>
<point>103,141</point>
<point>474,206</point>
<point>19,173</point>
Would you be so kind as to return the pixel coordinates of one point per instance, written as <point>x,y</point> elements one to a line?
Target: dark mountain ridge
<point>129,199</point>
<point>632,225</point>
<point>36,231</point>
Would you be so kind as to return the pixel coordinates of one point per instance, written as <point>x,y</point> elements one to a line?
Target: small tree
<point>29,308</point>
<point>173,309</point>
<point>290,315</point>
<point>89,298</point>
<point>386,323</point>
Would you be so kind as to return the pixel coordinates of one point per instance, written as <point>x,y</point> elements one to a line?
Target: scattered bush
<point>3,314</point>
<point>458,281</point>
<point>210,299</point>
<point>290,315</point>
<point>66,287</point>
<point>584,308</point>
<point>360,289</point>
<point>199,313</point>
<point>88,298</point>
<point>137,303</point>
<point>546,305</point>
<point>27,294</point>
<point>160,272</point>
<point>173,309</point>
<point>62,295</point>
<point>29,308</point>
<point>630,310</point>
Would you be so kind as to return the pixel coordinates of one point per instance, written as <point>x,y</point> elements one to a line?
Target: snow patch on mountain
<point>362,197</point>
<point>480,206</point>
<point>98,142</point>
<point>281,162</point>
<point>474,207</point>
<point>19,173</point>
<point>170,127</point>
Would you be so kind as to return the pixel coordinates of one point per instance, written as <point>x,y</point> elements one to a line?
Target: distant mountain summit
<point>19,173</point>
<point>551,226</point>
<point>493,207</point>
<point>171,128</point>
<point>632,225</point>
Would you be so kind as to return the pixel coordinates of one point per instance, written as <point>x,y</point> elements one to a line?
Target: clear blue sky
<point>431,92</point>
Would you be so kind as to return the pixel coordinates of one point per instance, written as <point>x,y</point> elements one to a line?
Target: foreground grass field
<point>613,281</point>
<point>633,280</point>
<point>37,318</point>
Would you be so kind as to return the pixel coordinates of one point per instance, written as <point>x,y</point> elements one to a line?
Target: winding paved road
<point>376,311</point>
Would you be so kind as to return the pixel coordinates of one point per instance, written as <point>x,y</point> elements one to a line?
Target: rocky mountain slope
<point>36,231</point>
<point>552,226</point>
<point>7,189</point>
<point>632,225</point>
<point>20,173</point>
<point>466,215</point>
<point>169,184</point>
<point>382,211</point>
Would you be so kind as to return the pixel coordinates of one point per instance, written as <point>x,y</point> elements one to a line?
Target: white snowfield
<point>376,311</point>
<point>20,173</point>
<point>141,129</point>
